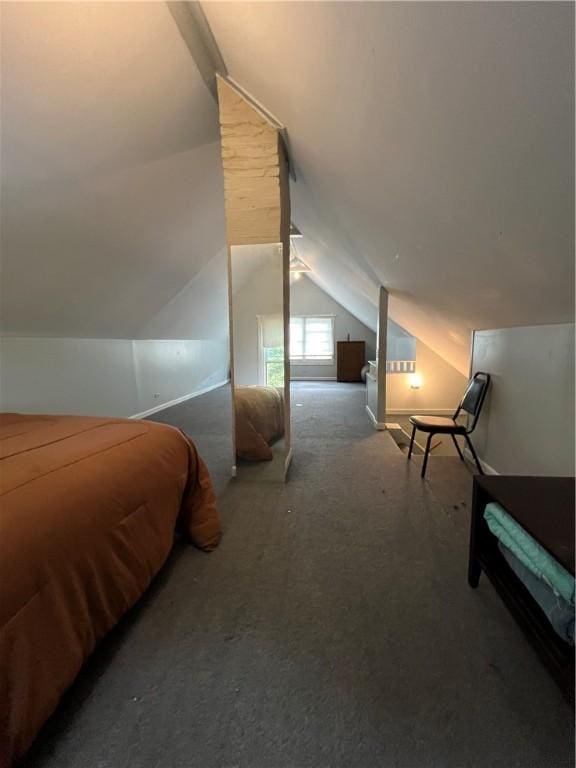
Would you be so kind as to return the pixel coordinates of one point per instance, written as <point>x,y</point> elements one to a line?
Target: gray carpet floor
<point>333,627</point>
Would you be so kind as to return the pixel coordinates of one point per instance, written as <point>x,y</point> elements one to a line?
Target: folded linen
<point>559,613</point>
<point>537,559</point>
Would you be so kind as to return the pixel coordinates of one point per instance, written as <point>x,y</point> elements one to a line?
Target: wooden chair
<point>471,404</point>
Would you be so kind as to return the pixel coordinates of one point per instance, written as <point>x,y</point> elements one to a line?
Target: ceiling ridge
<point>195,30</point>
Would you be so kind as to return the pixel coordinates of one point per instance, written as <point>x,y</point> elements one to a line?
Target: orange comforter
<point>88,509</point>
<point>259,421</point>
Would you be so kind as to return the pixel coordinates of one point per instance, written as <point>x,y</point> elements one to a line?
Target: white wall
<point>257,285</point>
<point>441,390</point>
<point>84,376</point>
<point>167,370</point>
<point>527,427</point>
<point>113,226</point>
<point>400,345</point>
<point>307,298</point>
<point>105,377</point>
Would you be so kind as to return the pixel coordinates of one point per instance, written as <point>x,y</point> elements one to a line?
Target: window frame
<point>298,361</point>
<point>267,363</point>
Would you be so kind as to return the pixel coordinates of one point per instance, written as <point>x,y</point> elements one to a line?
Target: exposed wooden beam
<point>196,33</point>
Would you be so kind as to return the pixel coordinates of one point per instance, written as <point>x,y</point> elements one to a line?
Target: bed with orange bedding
<point>259,413</point>
<point>88,512</point>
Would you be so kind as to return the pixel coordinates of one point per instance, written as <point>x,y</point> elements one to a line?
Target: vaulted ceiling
<point>433,146</point>
<point>434,149</point>
<point>112,192</point>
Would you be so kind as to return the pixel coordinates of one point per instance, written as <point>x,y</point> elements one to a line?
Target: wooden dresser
<point>351,357</point>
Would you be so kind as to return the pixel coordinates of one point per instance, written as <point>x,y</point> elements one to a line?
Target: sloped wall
<point>182,350</point>
<point>100,257</point>
<point>199,310</point>
<point>114,275</point>
<point>434,148</point>
<point>441,388</point>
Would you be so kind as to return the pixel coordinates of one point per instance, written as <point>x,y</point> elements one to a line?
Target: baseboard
<point>377,424</point>
<point>420,411</point>
<point>312,378</point>
<point>488,470</point>
<point>178,400</point>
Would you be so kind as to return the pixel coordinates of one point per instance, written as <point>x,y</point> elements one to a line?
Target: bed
<point>259,415</point>
<point>522,537</point>
<point>88,512</point>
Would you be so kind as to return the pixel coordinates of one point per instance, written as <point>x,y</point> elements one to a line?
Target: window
<point>274,362</point>
<point>271,354</point>
<point>312,340</point>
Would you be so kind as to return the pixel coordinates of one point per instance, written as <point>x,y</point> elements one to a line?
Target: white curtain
<point>272,330</point>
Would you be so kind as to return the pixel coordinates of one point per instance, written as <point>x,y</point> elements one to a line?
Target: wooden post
<point>381,353</point>
<point>256,194</point>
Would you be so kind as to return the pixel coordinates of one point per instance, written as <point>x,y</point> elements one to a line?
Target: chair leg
<point>425,462</point>
<point>473,452</point>
<point>457,446</point>
<point>412,442</point>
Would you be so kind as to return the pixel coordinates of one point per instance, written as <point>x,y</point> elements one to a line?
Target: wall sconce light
<point>415,381</point>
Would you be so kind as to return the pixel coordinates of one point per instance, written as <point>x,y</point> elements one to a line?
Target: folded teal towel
<point>559,613</point>
<point>529,552</point>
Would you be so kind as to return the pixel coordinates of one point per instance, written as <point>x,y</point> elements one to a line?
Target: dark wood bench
<point>544,507</point>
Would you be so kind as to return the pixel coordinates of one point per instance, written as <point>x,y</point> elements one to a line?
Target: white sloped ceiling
<point>112,191</point>
<point>434,148</point>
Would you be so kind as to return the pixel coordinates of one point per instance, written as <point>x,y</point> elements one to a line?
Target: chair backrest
<point>473,398</point>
